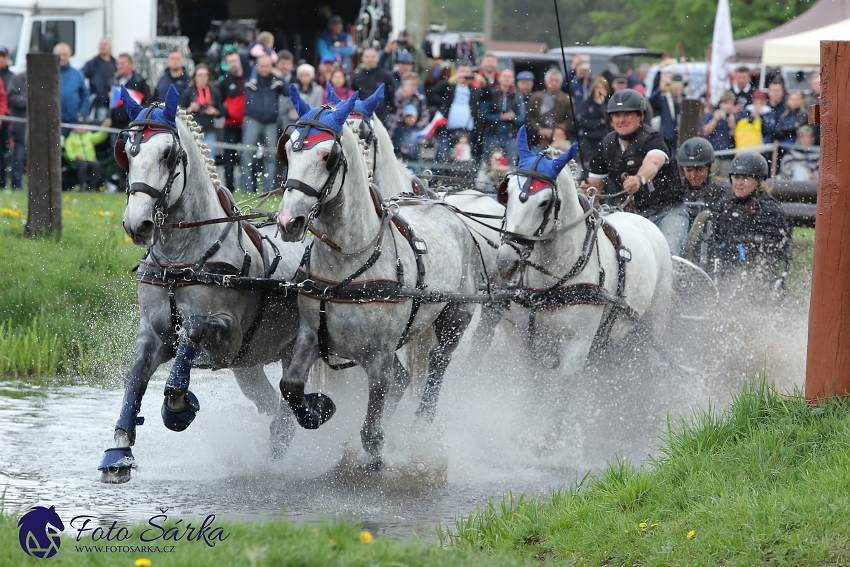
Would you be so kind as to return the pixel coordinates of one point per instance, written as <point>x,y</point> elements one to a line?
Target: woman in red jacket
<point>204,101</point>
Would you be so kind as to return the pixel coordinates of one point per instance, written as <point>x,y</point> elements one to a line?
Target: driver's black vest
<point>667,187</point>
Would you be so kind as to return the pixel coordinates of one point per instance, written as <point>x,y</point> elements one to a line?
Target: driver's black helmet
<point>751,164</point>
<point>626,100</point>
<point>695,152</point>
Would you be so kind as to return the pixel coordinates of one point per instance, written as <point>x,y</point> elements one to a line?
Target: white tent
<point>802,49</point>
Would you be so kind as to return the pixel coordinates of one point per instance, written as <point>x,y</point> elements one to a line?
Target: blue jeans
<point>255,133</point>
<point>673,222</point>
<point>19,157</point>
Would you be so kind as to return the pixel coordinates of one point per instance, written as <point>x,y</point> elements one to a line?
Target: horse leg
<point>118,461</point>
<point>311,410</point>
<point>215,335</point>
<point>448,327</point>
<point>491,314</point>
<point>257,388</point>
<point>372,433</point>
<point>399,383</point>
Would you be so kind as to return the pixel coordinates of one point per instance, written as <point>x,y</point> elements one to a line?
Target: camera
<point>723,114</point>
<point>402,42</point>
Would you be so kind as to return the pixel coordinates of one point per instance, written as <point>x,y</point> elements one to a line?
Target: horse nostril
<point>295,225</point>
<point>145,228</point>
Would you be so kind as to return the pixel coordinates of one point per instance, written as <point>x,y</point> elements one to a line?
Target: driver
<point>695,157</point>
<point>637,159</point>
<point>751,231</point>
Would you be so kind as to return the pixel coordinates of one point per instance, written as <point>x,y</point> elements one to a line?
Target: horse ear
<point>171,101</point>
<point>333,98</point>
<point>522,144</point>
<point>372,102</point>
<point>559,162</point>
<point>342,111</point>
<point>301,107</point>
<point>133,108</point>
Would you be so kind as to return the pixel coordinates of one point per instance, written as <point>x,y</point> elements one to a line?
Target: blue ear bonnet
<point>165,113</point>
<point>332,117</point>
<point>365,107</point>
<point>548,167</point>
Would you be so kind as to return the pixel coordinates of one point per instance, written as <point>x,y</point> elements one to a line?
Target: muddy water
<point>501,427</point>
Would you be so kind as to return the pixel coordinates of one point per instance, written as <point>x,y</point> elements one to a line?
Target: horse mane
<point>197,137</point>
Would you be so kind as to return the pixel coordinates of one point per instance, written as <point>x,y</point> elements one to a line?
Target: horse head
<point>151,152</point>
<point>314,157</point>
<point>533,195</point>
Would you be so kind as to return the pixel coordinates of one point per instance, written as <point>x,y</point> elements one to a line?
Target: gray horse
<point>190,310</point>
<point>357,264</point>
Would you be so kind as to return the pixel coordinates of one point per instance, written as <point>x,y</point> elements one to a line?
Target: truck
<point>28,26</point>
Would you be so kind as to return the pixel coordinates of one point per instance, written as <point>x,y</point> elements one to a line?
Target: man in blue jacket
<point>73,92</point>
<point>260,125</point>
<point>99,70</point>
<point>337,43</point>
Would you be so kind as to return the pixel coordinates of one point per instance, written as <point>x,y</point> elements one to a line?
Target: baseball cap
<point>404,57</point>
<point>4,50</point>
<point>80,119</point>
<point>525,76</point>
<point>585,62</point>
<point>759,96</point>
<point>621,81</point>
<point>335,19</point>
<point>410,110</point>
<point>328,59</point>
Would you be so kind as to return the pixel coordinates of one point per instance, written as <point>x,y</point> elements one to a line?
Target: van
<point>537,63</point>
<point>28,26</point>
<point>610,61</point>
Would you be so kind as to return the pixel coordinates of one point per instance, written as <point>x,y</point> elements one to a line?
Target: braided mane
<point>197,137</point>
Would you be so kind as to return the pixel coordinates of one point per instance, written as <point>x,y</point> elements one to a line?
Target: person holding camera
<point>666,103</point>
<point>719,128</point>
<point>204,101</point>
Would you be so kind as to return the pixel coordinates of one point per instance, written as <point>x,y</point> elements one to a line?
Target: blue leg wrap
<point>177,387</point>
<point>129,417</point>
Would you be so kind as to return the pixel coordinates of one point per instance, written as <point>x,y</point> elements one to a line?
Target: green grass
<point>764,482</point>
<point>68,304</point>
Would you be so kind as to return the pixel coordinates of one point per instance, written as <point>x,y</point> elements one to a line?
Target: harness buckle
<point>159,218</point>
<point>306,286</point>
<point>419,245</point>
<point>226,280</point>
<point>188,274</point>
<point>624,254</point>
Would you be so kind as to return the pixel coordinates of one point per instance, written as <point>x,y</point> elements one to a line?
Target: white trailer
<point>28,26</point>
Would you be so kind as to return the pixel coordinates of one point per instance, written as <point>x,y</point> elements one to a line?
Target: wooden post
<point>44,148</point>
<point>690,123</point>
<point>828,359</point>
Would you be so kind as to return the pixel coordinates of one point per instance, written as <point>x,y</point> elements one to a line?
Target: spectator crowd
<point>462,114</point>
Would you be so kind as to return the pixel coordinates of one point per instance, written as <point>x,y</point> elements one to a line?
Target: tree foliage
<point>657,24</point>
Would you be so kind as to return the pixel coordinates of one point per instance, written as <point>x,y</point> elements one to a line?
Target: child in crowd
<point>560,138</point>
<point>79,149</point>
<point>801,163</point>
<point>461,150</point>
<point>404,137</point>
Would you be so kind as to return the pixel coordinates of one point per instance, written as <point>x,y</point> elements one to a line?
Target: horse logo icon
<point>38,532</point>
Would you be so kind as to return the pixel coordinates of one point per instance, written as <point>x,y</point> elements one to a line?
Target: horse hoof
<point>316,410</point>
<point>116,465</point>
<point>180,419</point>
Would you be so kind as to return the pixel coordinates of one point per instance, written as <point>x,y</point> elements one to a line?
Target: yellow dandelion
<point>642,525</point>
<point>654,526</point>
<point>691,534</point>
<point>143,562</point>
<point>366,537</point>
<point>101,213</point>
<point>128,239</point>
<point>332,541</point>
<point>66,198</point>
<point>627,531</point>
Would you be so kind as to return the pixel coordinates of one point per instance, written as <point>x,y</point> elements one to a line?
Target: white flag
<point>722,48</point>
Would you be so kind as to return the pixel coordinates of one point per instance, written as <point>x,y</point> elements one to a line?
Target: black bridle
<point>336,161</point>
<point>175,157</point>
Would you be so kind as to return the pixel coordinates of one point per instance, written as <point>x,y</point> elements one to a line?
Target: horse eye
<point>325,157</point>
<point>544,203</point>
